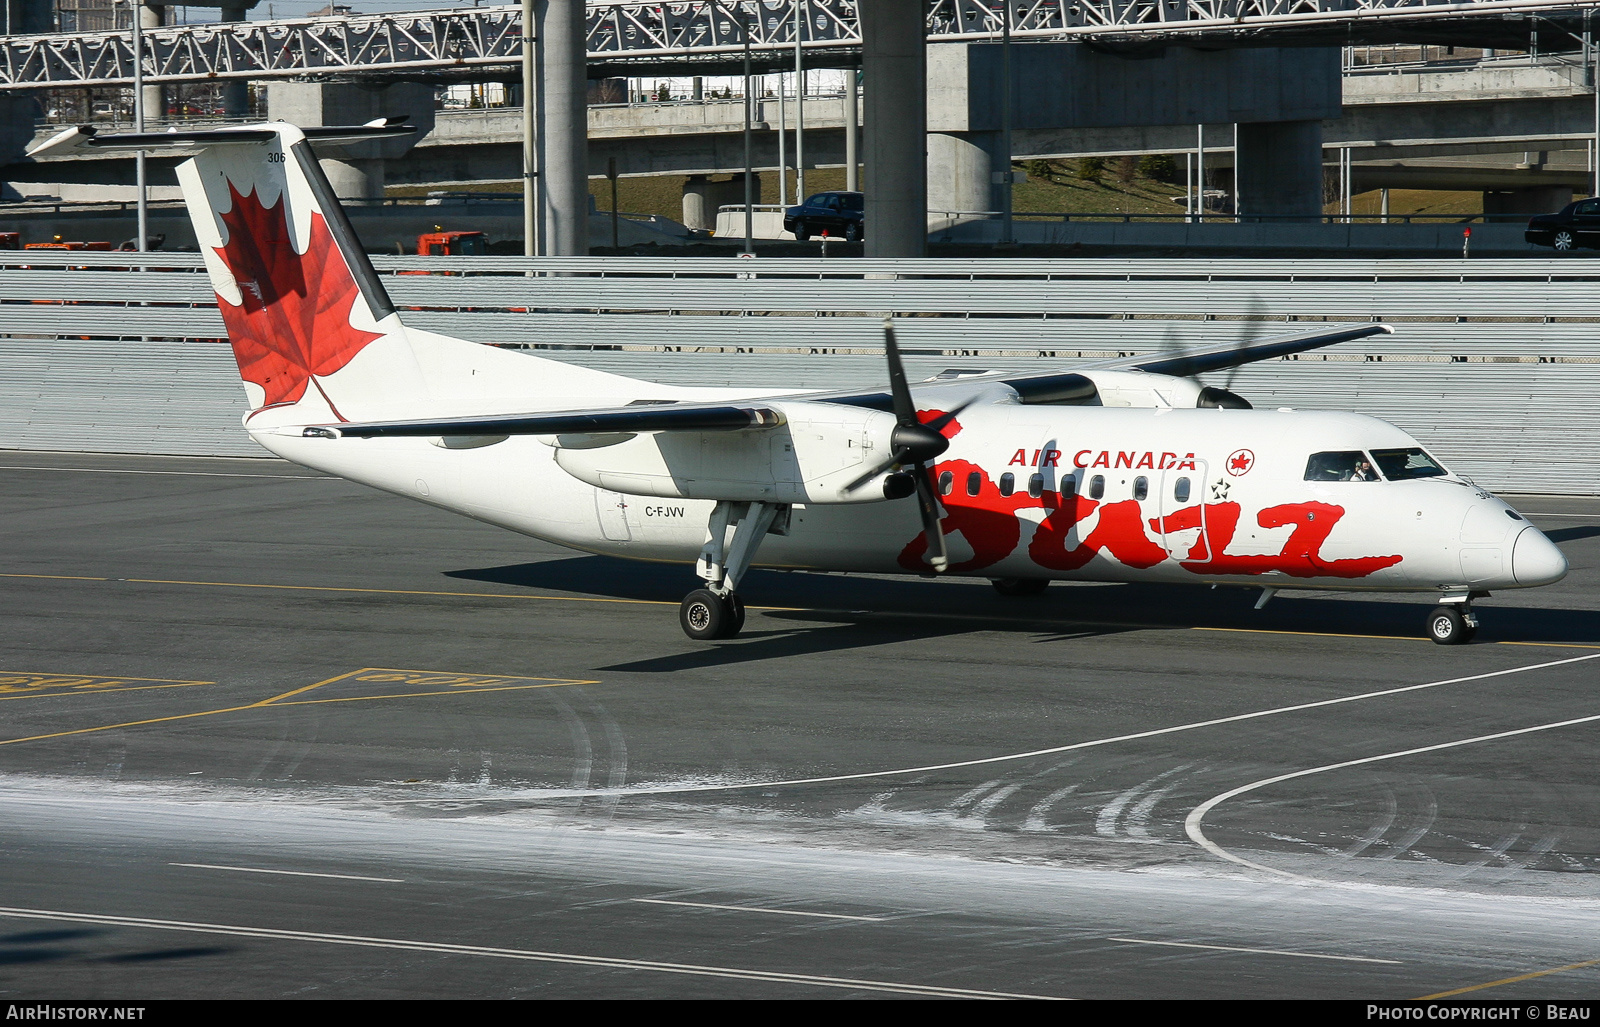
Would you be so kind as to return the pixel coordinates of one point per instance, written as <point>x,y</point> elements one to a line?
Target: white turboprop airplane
<point>1123,470</point>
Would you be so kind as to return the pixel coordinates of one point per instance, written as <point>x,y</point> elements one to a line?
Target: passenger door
<point>1182,510</point>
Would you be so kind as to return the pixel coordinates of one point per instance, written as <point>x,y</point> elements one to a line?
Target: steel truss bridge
<point>709,36</point>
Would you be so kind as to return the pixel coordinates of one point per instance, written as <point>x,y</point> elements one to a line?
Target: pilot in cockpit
<point>1344,465</point>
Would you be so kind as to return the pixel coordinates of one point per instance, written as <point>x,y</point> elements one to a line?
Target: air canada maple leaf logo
<point>294,321</point>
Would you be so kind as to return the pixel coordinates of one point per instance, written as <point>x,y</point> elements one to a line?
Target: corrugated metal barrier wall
<point>1495,364</point>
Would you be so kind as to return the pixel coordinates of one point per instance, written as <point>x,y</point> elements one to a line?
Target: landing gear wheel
<point>1447,626</point>
<point>1018,587</point>
<point>706,615</point>
<point>1564,241</point>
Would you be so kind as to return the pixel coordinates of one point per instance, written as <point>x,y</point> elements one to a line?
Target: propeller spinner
<point>913,448</point>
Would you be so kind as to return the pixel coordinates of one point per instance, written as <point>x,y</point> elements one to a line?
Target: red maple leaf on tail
<point>294,321</point>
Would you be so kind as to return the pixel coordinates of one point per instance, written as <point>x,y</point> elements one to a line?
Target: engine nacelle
<point>1145,389</point>
<point>810,458</point>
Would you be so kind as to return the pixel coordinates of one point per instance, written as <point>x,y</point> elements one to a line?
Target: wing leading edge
<point>642,418</point>
<point>1219,358</point>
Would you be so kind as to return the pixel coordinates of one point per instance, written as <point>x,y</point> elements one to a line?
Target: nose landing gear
<point>716,611</point>
<point>1452,622</point>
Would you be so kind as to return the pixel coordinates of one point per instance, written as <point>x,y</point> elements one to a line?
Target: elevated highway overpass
<point>1508,123</point>
<point>1284,106</point>
<point>709,36</point>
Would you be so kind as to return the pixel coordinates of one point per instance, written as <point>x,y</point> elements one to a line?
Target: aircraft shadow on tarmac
<point>1573,534</point>
<point>832,611</point>
<point>53,946</point>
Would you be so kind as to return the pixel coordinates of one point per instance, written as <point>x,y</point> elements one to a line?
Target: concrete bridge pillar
<point>153,16</point>
<point>894,67</point>
<point>235,91</point>
<point>566,129</point>
<point>704,195</point>
<point>961,170</point>
<point>1278,169</point>
<point>17,112</point>
<point>355,170</point>
<point>698,210</point>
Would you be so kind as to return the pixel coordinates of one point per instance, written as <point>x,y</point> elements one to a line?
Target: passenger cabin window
<point>1068,487</point>
<point>1400,464</point>
<point>1141,487</point>
<point>1008,483</point>
<point>1036,485</point>
<point>946,483</point>
<point>974,482</point>
<point>1344,465</point>
<point>1097,486</point>
<point>1180,490</point>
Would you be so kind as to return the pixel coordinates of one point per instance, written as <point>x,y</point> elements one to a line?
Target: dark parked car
<point>1578,224</point>
<point>838,214</point>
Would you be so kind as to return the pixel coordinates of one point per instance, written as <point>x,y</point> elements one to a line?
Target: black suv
<point>1578,224</point>
<point>838,215</point>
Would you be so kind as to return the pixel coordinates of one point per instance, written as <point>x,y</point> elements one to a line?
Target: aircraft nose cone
<point>1535,560</point>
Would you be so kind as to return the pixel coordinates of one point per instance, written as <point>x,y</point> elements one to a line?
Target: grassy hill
<point>1116,186</point>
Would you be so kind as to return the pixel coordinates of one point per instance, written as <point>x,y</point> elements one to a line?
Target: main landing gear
<point>1452,622</point>
<point>716,611</point>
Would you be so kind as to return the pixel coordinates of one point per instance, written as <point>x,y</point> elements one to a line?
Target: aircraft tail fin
<point>310,321</point>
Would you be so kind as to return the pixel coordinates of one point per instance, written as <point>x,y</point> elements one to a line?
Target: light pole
<point>1591,62</point>
<point>530,155</point>
<point>799,108</point>
<point>138,124</point>
<point>749,172</point>
<point>1006,233</point>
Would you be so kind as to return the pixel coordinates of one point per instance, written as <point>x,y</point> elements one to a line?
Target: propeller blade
<point>905,411</point>
<point>1255,323</point>
<point>938,423</point>
<point>938,553</point>
<point>899,457</point>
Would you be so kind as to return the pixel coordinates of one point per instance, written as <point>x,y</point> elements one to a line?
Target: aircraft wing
<point>1052,387</point>
<point>1234,354</point>
<point>641,417</point>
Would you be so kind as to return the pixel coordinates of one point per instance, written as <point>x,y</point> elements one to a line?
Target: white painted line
<point>192,474</point>
<point>1264,952</point>
<point>762,909</point>
<point>562,793</point>
<point>1191,824</point>
<point>531,955</point>
<point>288,873</point>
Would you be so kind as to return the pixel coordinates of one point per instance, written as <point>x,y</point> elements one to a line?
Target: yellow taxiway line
<point>281,700</point>
<point>1511,980</point>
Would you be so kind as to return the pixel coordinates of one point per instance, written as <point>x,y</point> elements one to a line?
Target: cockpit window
<point>1351,465</point>
<point>1400,464</point>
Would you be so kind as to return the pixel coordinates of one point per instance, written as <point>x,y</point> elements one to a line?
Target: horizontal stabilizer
<point>644,418</point>
<point>1233,355</point>
<point>87,137</point>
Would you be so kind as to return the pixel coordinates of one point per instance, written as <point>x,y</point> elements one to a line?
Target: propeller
<point>1223,396</point>
<point>913,446</point>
